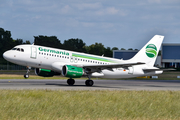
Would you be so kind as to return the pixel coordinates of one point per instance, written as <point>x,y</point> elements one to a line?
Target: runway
<point>19,84</point>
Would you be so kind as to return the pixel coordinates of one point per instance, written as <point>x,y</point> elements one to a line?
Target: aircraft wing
<point>151,70</point>
<point>110,66</point>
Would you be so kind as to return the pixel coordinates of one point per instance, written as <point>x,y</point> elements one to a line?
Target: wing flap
<point>105,66</point>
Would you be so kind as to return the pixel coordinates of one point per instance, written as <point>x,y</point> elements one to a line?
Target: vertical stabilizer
<point>149,52</point>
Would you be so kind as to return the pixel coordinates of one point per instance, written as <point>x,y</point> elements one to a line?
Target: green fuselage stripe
<point>92,58</point>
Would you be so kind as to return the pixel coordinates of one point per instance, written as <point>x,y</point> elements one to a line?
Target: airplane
<point>49,61</point>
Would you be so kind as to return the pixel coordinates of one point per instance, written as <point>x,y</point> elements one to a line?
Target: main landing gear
<point>87,82</point>
<point>27,73</point>
<point>70,81</point>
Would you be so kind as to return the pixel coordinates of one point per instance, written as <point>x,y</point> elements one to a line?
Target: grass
<point>169,75</point>
<point>98,105</point>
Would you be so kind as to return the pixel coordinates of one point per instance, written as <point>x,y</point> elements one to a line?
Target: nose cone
<point>7,55</point>
<point>12,56</point>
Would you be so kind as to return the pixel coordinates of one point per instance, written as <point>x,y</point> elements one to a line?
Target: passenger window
<point>18,49</point>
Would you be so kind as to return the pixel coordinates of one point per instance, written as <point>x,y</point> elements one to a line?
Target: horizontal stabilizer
<point>151,70</point>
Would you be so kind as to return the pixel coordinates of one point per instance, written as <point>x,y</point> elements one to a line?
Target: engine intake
<point>72,71</point>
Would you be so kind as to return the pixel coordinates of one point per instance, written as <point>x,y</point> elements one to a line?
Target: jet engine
<point>44,72</point>
<point>72,71</point>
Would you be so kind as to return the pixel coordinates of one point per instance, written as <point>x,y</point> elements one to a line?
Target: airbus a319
<point>49,61</point>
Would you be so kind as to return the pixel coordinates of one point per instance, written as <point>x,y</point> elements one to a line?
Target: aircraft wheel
<point>70,81</point>
<point>26,75</point>
<point>89,83</point>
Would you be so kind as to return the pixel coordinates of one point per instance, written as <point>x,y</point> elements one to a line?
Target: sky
<point>116,23</point>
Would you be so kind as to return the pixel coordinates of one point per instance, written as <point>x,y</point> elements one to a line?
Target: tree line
<point>74,45</point>
<point>7,43</point>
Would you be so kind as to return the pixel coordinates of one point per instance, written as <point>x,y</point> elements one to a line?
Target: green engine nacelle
<point>44,72</point>
<point>72,71</point>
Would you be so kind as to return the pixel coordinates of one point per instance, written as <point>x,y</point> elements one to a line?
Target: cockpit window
<point>22,50</point>
<point>18,49</point>
<point>14,48</point>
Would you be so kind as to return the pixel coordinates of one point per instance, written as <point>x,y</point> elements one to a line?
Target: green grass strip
<point>91,105</point>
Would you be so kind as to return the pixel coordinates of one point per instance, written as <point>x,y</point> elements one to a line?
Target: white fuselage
<point>53,59</point>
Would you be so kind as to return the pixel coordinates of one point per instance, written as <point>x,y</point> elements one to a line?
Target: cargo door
<point>131,70</point>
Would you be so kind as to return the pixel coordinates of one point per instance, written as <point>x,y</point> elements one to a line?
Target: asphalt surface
<point>19,84</point>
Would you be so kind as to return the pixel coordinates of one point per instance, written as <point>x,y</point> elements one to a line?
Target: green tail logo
<point>151,50</point>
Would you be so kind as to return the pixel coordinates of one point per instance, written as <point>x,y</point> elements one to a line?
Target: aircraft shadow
<point>94,86</point>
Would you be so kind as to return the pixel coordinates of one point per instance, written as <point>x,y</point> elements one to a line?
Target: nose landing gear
<point>27,73</point>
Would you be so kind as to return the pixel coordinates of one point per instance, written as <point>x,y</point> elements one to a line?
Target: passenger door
<point>33,52</point>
